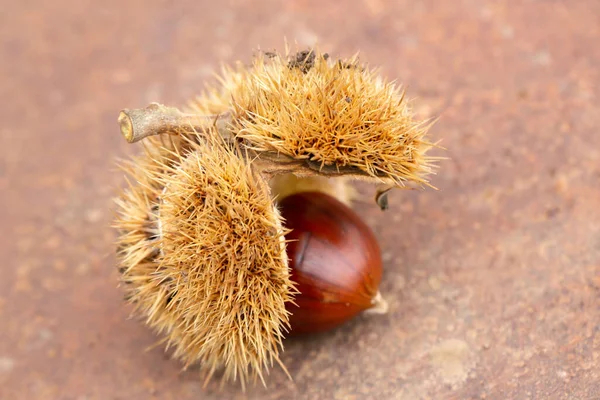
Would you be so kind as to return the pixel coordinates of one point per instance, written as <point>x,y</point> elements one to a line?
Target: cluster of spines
<point>338,118</point>
<point>202,252</point>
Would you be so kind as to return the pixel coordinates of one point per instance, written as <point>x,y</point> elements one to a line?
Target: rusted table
<point>493,280</point>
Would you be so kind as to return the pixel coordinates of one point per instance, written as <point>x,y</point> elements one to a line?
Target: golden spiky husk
<point>335,118</point>
<point>202,253</point>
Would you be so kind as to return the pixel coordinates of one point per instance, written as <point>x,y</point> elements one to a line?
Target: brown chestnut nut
<point>335,261</point>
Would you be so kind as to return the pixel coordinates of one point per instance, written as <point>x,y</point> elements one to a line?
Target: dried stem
<point>157,119</point>
<point>381,196</point>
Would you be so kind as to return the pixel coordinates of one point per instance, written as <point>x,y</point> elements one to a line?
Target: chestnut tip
<point>380,305</point>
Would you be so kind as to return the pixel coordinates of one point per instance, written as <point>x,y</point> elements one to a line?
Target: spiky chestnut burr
<point>306,115</point>
<point>294,122</point>
<point>203,257</point>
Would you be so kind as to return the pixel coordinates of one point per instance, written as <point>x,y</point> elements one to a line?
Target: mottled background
<point>493,280</point>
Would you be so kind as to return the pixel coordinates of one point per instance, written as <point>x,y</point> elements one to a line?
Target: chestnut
<point>335,262</point>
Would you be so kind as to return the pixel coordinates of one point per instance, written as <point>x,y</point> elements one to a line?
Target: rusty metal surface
<point>493,281</point>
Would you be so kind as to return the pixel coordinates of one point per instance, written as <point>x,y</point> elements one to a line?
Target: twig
<point>157,119</point>
<point>381,196</point>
